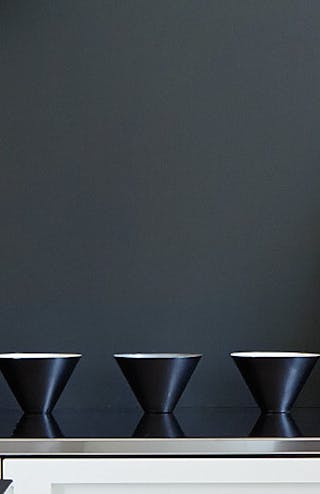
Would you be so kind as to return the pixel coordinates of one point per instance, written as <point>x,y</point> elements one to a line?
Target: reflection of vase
<point>158,425</point>
<point>37,426</point>
<point>275,425</point>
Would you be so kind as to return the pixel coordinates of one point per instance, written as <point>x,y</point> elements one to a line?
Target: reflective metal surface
<point>160,447</point>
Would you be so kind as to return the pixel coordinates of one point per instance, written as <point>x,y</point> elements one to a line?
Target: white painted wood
<point>31,486</point>
<point>188,489</point>
<point>159,475</point>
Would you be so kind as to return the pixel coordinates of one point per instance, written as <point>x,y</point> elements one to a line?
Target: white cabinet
<point>164,475</point>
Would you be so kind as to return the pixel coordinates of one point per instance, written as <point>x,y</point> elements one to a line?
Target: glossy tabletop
<point>190,432</point>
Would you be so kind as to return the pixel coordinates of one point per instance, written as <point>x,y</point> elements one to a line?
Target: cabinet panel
<point>188,489</point>
<point>164,475</point>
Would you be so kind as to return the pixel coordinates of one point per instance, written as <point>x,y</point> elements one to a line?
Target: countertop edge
<point>148,447</point>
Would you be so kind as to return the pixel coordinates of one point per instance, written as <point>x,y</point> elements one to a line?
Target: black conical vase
<point>275,379</point>
<point>37,379</point>
<point>157,379</point>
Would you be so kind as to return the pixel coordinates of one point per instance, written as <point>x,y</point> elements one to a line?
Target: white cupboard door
<point>164,475</point>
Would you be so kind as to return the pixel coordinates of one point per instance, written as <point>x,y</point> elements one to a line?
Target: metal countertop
<point>166,447</point>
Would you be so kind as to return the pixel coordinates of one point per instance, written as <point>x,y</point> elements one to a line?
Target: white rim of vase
<point>156,355</point>
<point>273,354</point>
<point>25,356</point>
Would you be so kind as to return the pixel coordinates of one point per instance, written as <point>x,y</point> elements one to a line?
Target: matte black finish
<point>158,425</point>
<point>37,383</point>
<point>275,425</point>
<point>4,485</point>
<point>37,425</point>
<point>158,381</point>
<point>275,382</point>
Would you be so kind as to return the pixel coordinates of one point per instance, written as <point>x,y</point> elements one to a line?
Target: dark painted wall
<point>160,185</point>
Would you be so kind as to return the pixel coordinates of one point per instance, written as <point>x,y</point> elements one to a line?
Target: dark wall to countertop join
<point>160,186</point>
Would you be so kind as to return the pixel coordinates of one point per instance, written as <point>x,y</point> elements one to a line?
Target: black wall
<point>160,186</point>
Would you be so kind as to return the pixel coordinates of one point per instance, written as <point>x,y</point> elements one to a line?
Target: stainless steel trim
<point>160,447</point>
